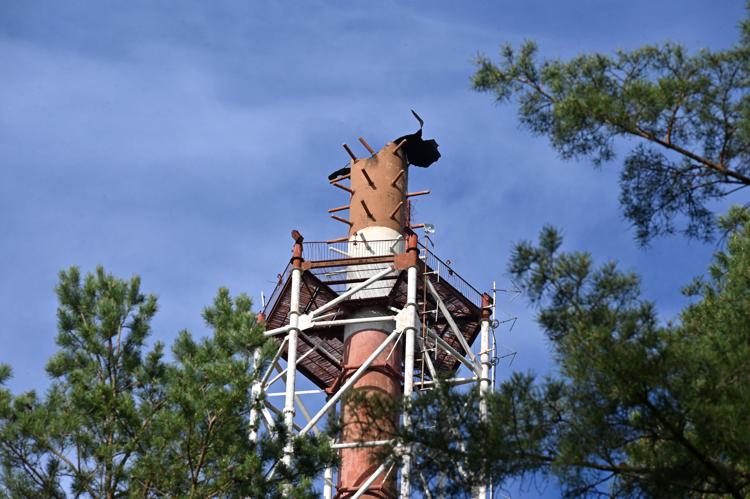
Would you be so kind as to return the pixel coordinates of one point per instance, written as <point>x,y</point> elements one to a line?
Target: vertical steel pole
<point>494,365</point>
<point>291,356</point>
<point>328,483</point>
<point>328,472</point>
<point>409,338</point>
<point>255,392</point>
<point>484,380</point>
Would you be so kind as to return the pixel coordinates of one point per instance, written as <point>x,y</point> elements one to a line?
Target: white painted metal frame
<point>379,471</point>
<point>409,338</point>
<point>406,324</point>
<point>291,361</point>
<point>452,323</point>
<point>349,382</point>
<point>484,385</point>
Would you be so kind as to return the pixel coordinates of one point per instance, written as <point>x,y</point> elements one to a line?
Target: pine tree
<point>687,114</point>
<point>121,421</point>
<point>639,408</point>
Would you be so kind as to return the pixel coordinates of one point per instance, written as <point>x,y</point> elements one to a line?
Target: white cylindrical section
<point>255,392</point>
<point>373,241</point>
<point>409,338</point>
<point>352,291</point>
<point>291,360</point>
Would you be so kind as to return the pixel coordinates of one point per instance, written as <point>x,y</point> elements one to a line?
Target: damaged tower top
<point>378,184</point>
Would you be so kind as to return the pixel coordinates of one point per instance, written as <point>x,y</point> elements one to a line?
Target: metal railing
<point>318,251</point>
<point>444,272</point>
<point>277,290</point>
<point>321,251</point>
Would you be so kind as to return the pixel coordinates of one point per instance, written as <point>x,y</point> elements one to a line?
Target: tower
<point>376,312</point>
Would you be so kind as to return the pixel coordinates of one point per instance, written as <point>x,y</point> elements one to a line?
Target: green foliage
<point>689,116</point>
<point>120,421</point>
<point>638,409</point>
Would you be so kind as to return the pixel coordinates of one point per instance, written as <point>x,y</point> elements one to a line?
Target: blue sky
<point>182,141</point>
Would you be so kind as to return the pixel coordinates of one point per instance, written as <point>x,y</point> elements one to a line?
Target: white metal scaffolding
<point>404,324</point>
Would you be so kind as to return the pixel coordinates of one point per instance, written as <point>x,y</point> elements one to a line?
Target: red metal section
<point>486,306</point>
<point>382,379</point>
<point>297,255</point>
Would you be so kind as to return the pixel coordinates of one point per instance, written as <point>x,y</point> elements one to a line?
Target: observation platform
<point>332,268</point>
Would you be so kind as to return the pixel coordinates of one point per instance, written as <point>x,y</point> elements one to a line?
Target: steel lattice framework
<point>433,317</point>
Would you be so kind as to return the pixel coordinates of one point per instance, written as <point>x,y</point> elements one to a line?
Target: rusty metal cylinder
<point>379,184</point>
<point>383,380</point>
